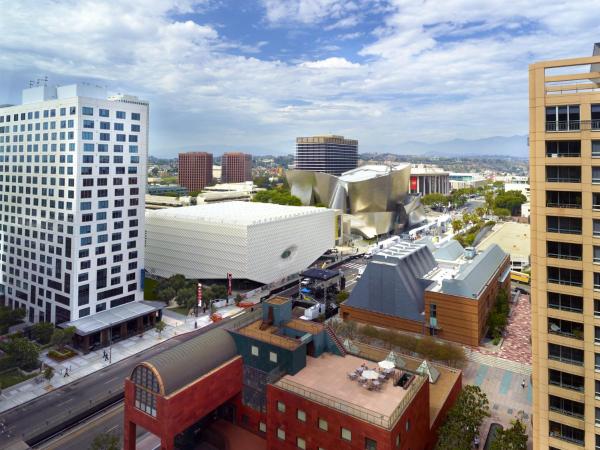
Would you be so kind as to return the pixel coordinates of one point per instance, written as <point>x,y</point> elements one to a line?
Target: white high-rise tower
<point>72,185</point>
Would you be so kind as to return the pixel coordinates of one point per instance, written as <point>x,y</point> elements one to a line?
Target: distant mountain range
<point>504,146</point>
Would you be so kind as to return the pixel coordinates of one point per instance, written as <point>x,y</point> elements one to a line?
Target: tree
<point>463,420</point>
<point>42,332</point>
<point>22,353</point>
<point>184,296</point>
<point>166,294</point>
<point>106,441</point>
<point>160,327</point>
<point>457,225</point>
<point>9,317</point>
<point>434,199</point>
<point>280,196</point>
<point>48,373</point>
<point>341,297</point>
<point>511,200</point>
<point>63,337</point>
<point>502,212</point>
<point>177,282</point>
<point>238,299</point>
<point>480,211</point>
<point>512,438</point>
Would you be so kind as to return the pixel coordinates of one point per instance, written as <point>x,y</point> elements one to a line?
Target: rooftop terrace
<point>269,334</point>
<point>325,380</point>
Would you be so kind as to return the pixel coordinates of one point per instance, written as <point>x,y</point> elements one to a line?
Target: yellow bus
<point>520,277</point>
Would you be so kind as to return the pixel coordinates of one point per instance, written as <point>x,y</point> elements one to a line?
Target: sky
<point>251,75</point>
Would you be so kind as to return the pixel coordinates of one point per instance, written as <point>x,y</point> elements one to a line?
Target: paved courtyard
<point>516,345</point>
<point>504,391</point>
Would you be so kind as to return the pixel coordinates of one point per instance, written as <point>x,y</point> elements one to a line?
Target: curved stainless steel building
<point>375,196</point>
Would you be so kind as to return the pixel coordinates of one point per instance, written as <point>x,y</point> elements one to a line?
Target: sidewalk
<point>82,365</point>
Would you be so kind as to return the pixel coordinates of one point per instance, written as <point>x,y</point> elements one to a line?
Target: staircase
<point>335,340</point>
<point>500,363</point>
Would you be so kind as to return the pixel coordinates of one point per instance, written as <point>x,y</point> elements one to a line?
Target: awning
<point>110,318</point>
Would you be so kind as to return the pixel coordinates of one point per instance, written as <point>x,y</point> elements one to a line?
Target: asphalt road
<point>81,437</point>
<point>20,421</point>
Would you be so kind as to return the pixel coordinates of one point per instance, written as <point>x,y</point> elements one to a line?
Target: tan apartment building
<point>564,143</point>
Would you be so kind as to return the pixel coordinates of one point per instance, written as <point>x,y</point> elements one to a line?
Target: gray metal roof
<point>450,251</point>
<point>473,277</point>
<point>393,282</point>
<point>111,317</point>
<point>192,359</point>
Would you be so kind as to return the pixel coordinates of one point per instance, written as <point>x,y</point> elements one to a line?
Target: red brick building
<point>195,170</point>
<point>282,383</point>
<point>236,167</point>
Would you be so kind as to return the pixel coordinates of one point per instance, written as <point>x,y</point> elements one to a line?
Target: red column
<point>167,443</point>
<point>129,435</point>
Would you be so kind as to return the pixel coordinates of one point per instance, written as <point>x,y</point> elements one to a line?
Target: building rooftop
<point>237,213</point>
<point>421,169</point>
<point>110,317</point>
<point>325,380</point>
<point>270,334</point>
<point>438,391</point>
<point>185,363</point>
<point>370,171</point>
<point>473,276</point>
<point>512,237</point>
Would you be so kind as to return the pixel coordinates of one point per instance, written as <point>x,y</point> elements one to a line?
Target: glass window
<point>273,357</point>
<point>254,350</point>
<point>87,135</point>
<point>280,406</point>
<point>323,425</point>
<point>120,114</point>
<point>103,112</point>
<point>135,116</point>
<point>262,427</point>
<point>87,124</point>
<point>281,434</point>
<point>595,149</point>
<point>346,434</point>
<point>370,444</point>
<point>301,443</point>
<point>86,111</point>
<point>301,415</point>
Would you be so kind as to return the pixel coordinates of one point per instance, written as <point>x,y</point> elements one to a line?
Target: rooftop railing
<point>352,409</point>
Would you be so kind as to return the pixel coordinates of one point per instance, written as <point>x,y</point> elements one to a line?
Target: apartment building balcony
<point>564,199</point>
<point>566,433</point>
<point>573,125</point>
<point>565,328</point>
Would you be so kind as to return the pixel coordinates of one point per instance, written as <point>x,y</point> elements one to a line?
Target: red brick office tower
<point>195,170</point>
<point>236,168</point>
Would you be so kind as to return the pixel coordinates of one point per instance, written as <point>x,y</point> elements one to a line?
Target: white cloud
<point>330,63</point>
<point>346,22</point>
<point>307,11</point>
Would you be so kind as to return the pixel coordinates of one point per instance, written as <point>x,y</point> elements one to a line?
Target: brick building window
<point>262,427</point>
<point>301,443</point>
<point>370,444</point>
<point>281,434</point>
<point>323,425</point>
<point>301,415</point>
<point>346,434</point>
<point>281,407</point>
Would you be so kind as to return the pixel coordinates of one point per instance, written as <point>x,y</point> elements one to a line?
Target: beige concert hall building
<point>564,139</point>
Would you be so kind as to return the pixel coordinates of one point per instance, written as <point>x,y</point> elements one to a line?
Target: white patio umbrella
<point>370,375</point>
<point>386,364</point>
